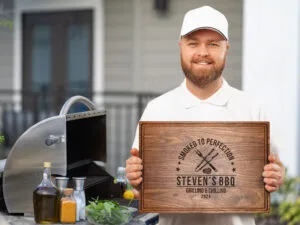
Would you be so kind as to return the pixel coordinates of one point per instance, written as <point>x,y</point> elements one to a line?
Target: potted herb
<point>1,139</point>
<point>108,212</point>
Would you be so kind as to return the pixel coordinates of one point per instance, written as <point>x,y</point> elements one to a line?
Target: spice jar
<point>79,197</point>
<point>68,207</point>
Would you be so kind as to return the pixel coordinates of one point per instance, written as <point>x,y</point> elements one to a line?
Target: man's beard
<point>203,78</point>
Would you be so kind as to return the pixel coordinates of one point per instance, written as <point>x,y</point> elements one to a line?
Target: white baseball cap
<point>204,17</point>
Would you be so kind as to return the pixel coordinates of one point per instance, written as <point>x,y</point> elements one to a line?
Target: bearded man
<point>204,95</point>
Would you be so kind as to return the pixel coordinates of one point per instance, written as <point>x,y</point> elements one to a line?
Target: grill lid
<point>64,140</point>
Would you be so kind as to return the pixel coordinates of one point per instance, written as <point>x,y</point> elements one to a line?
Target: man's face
<point>203,56</point>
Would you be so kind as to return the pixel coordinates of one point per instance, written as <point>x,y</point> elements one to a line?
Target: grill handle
<point>77,98</point>
<point>53,139</point>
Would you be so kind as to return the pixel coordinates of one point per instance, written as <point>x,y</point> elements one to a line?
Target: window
<point>57,58</point>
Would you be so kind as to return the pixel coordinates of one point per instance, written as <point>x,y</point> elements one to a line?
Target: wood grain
<point>207,167</point>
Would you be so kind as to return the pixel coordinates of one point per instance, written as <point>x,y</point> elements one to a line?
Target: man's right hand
<point>134,169</point>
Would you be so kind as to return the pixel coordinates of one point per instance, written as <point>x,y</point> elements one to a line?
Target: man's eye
<point>213,44</point>
<point>192,44</point>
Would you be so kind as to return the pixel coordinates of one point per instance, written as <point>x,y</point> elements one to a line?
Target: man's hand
<point>134,170</point>
<point>273,174</point>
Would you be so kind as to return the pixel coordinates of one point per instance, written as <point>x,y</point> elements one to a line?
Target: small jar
<point>68,207</point>
<point>121,179</point>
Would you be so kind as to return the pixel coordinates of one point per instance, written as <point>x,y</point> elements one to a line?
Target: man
<point>204,96</point>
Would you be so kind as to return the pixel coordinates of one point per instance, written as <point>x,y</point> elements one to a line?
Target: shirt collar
<point>220,98</point>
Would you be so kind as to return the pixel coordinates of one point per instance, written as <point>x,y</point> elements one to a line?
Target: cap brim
<point>205,28</point>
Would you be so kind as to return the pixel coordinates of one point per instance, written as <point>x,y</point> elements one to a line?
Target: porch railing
<point>123,110</point>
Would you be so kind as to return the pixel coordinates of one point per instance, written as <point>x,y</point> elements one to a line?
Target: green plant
<point>289,207</point>
<point>286,201</point>
<point>107,212</point>
<point>6,23</point>
<point>1,139</point>
<point>290,212</point>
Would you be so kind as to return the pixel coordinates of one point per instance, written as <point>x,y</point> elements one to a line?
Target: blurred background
<point>122,53</point>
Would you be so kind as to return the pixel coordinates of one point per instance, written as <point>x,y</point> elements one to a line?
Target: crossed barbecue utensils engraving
<point>205,161</point>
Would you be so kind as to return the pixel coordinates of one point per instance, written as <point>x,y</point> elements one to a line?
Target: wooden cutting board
<point>207,167</point>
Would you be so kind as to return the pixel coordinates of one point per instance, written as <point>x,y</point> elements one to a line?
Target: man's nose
<point>202,50</point>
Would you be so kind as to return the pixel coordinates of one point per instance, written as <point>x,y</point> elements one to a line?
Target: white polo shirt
<point>179,104</point>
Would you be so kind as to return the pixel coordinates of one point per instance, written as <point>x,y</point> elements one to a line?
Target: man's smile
<point>203,63</point>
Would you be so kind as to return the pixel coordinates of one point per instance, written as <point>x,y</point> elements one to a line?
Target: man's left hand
<point>273,174</point>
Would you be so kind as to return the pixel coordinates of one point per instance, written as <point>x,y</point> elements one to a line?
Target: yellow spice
<point>67,211</point>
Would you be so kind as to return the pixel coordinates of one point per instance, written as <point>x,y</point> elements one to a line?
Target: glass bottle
<point>79,196</point>
<point>46,199</point>
<point>68,207</point>
<point>61,184</point>
<point>121,179</point>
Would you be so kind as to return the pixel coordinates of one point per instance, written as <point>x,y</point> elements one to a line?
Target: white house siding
<point>118,44</point>
<point>141,44</point>
<point>6,58</point>
<point>6,46</point>
<point>6,68</point>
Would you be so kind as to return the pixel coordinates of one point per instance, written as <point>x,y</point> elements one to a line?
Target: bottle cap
<point>61,182</point>
<point>68,191</point>
<point>79,183</point>
<point>47,164</point>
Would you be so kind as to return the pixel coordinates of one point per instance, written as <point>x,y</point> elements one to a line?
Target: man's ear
<point>227,45</point>
<point>179,43</point>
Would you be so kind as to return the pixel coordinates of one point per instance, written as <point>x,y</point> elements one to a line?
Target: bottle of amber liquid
<point>68,207</point>
<point>46,199</point>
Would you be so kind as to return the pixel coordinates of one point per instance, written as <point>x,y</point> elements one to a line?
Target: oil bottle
<point>46,199</point>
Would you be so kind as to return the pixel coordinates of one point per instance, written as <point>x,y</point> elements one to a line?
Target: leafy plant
<point>290,212</point>
<point>289,208</point>
<point>6,23</point>
<point>107,212</point>
<point>1,139</point>
<point>286,201</point>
